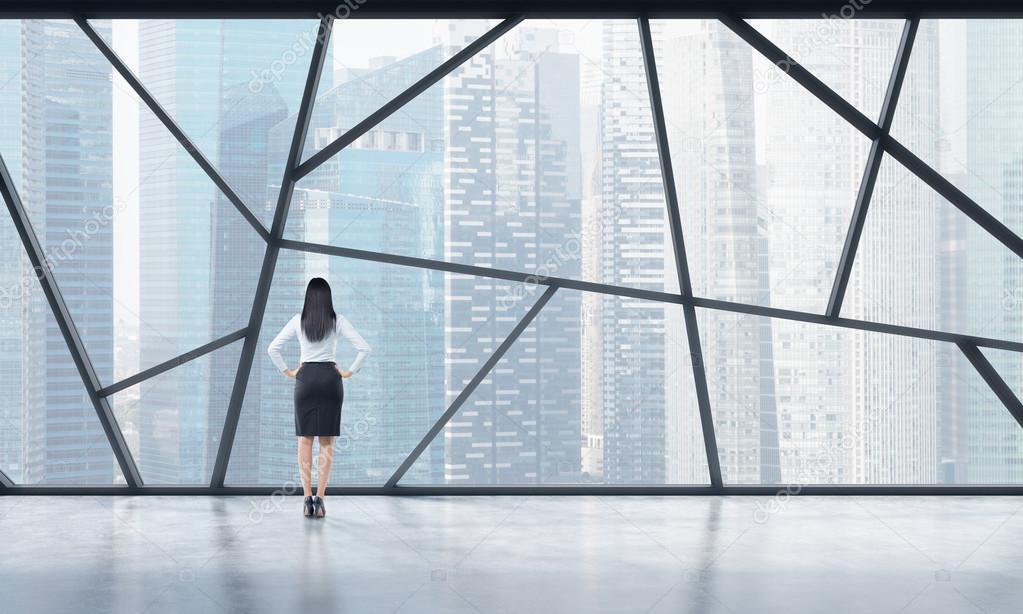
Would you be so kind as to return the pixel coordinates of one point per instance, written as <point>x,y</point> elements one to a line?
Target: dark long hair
<point>318,317</point>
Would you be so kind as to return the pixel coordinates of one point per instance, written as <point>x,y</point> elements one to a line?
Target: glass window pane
<point>10,96</point>
<point>536,155</point>
<point>1009,365</point>
<point>151,259</point>
<point>370,61</point>
<point>49,432</point>
<point>854,57</point>
<point>598,389</point>
<point>63,158</point>
<point>766,174</point>
<point>417,322</point>
<point>994,446</point>
<point>960,108</point>
<point>173,422</point>
<point>228,83</point>
<point>923,263</point>
<point>55,138</point>
<point>199,260</point>
<point>801,403</point>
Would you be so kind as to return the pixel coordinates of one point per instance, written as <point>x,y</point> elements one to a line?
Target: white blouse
<point>323,350</point>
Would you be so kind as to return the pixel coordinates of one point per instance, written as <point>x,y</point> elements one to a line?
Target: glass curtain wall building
<point>686,254</point>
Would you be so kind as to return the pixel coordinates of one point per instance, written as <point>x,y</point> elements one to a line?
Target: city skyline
<point>535,147</point>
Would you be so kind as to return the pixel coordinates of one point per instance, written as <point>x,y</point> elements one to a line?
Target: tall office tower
<point>396,397</point>
<point>245,130</point>
<point>994,167</point>
<point>67,161</point>
<point>383,193</point>
<point>708,90</point>
<point>897,279</point>
<point>955,376</point>
<point>900,279</point>
<point>199,258</point>
<point>854,407</point>
<point>11,254</point>
<point>637,252</point>
<point>591,410</point>
<point>513,202</point>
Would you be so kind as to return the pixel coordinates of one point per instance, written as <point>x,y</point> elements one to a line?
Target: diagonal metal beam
<point>480,271</point>
<point>681,262</point>
<point>405,97</point>
<point>266,273</point>
<point>58,307</point>
<point>5,482</point>
<point>172,126</point>
<point>859,217</point>
<point>993,379</point>
<point>664,297</point>
<point>802,76</point>
<point>898,76</point>
<point>852,236</point>
<point>470,387</point>
<point>177,361</point>
<point>872,131</point>
<point>952,194</point>
<point>874,327</point>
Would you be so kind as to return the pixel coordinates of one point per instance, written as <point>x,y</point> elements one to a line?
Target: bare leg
<point>305,464</point>
<point>326,459</point>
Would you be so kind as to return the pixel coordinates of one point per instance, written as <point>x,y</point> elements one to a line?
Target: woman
<point>318,388</point>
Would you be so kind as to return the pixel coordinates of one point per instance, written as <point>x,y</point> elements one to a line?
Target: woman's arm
<point>353,336</point>
<point>274,350</point>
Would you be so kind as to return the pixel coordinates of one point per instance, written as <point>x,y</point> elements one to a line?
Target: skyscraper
<point>591,409</point>
<point>66,174</point>
<point>382,193</point>
<point>708,89</point>
<point>767,178</point>
<point>11,254</point>
<point>992,276</point>
<point>513,193</point>
<point>199,259</point>
<point>637,252</point>
<point>853,407</point>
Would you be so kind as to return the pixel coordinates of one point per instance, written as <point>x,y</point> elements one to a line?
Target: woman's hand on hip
<point>343,373</point>
<point>290,373</point>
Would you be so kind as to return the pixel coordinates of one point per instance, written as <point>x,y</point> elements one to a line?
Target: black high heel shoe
<point>321,510</point>
<point>309,508</point>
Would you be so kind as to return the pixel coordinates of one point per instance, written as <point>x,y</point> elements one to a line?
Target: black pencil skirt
<point>319,393</point>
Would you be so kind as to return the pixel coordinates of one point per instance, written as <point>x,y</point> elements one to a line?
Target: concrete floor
<point>512,554</point>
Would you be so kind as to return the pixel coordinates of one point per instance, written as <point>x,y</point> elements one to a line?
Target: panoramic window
<point>793,260</point>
